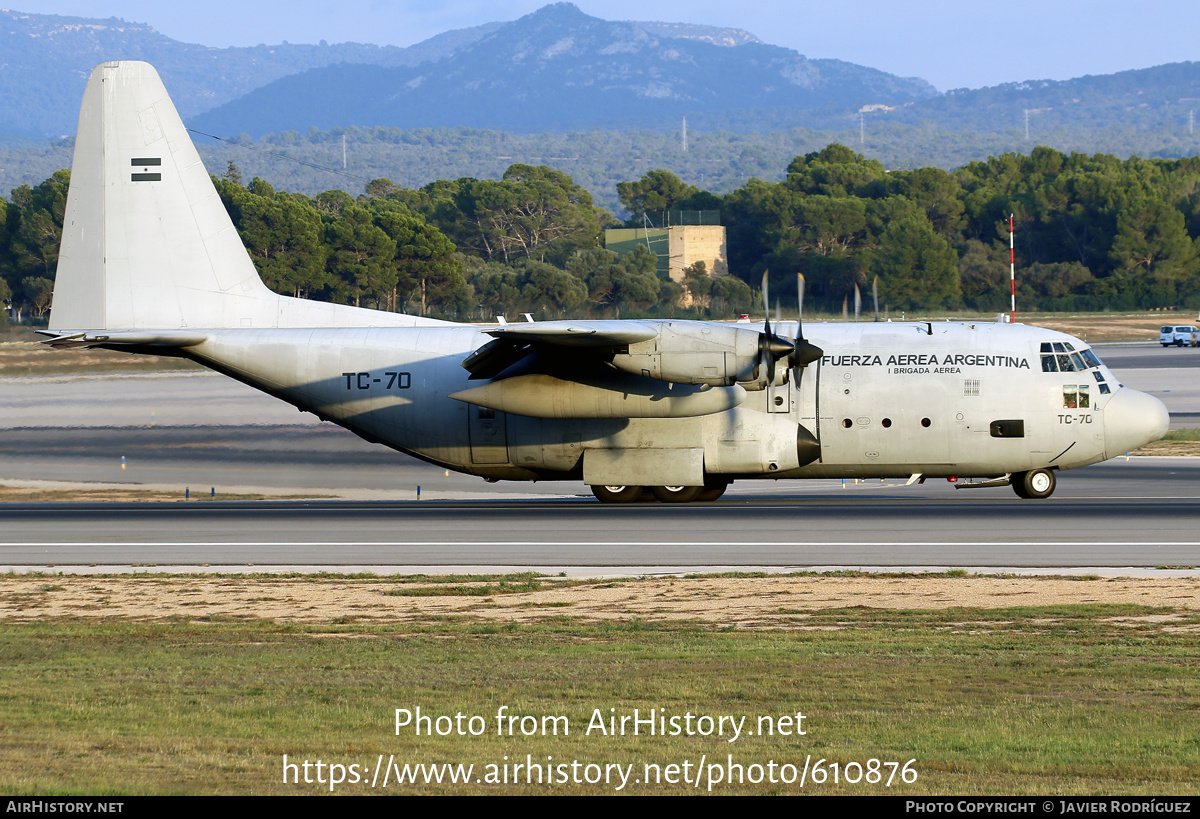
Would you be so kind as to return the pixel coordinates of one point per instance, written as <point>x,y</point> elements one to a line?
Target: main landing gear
<point>666,494</point>
<point>1036,483</point>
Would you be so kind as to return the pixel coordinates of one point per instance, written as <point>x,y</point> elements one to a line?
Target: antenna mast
<point>1012,267</point>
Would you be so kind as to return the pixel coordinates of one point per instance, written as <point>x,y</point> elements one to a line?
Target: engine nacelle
<point>697,353</point>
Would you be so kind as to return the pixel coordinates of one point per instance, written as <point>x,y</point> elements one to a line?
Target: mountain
<point>45,61</point>
<point>1154,98</point>
<point>559,69</point>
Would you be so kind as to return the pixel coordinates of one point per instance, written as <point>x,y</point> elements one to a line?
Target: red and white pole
<point>1012,267</point>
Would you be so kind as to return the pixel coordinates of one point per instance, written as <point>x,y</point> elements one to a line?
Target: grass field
<point>1081,698</point>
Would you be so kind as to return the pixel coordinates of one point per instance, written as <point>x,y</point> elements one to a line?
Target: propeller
<point>875,296</point>
<point>771,347</point>
<point>803,352</point>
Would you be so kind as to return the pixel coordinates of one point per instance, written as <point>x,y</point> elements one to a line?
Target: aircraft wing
<point>511,343</point>
<point>578,333</point>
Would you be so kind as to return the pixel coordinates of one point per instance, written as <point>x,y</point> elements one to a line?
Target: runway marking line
<point>601,543</point>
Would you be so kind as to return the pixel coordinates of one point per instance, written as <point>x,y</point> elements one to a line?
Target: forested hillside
<point>1093,232</point>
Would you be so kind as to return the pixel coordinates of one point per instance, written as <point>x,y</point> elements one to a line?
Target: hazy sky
<point>951,43</point>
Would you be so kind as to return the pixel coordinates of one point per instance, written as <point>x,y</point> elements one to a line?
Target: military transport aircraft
<point>151,263</point>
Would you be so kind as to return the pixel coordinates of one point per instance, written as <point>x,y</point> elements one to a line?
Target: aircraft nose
<point>1133,419</point>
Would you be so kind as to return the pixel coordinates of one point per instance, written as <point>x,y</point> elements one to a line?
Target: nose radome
<point>1133,419</point>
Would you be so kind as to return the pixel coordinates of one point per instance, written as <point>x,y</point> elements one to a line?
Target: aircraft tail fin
<point>147,242</point>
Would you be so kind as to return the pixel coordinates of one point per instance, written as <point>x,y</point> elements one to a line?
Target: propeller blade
<point>770,346</point>
<point>875,296</point>
<point>766,304</point>
<point>857,302</point>
<point>799,304</point>
<point>803,353</point>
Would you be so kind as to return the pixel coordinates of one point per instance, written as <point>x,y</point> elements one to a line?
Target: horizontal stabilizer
<point>130,338</point>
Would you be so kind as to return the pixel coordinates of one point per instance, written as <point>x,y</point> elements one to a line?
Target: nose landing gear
<point>1036,483</point>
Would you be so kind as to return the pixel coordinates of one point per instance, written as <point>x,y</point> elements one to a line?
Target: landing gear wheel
<point>712,491</point>
<point>677,494</point>
<point>1034,484</point>
<point>617,494</point>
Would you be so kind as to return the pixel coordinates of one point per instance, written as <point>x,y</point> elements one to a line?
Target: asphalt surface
<point>203,433</point>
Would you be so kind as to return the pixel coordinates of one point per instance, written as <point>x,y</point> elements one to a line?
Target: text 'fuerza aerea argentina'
<point>927,360</point>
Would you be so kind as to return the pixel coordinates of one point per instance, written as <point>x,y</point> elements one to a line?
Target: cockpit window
<point>1060,356</point>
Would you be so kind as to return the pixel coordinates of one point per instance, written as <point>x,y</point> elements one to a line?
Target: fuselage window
<point>1076,396</point>
<point>1104,390</point>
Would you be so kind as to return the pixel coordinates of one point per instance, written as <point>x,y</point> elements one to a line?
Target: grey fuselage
<point>885,400</point>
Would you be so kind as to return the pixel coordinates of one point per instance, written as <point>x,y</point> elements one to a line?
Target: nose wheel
<point>1036,483</point>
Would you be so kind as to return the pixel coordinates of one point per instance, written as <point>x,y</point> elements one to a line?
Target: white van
<point>1179,335</point>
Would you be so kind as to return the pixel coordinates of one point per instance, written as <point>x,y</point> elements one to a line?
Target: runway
<point>1142,512</point>
<point>207,432</point>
